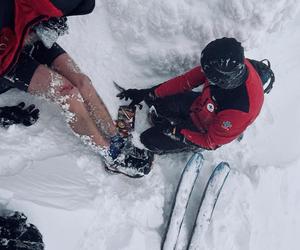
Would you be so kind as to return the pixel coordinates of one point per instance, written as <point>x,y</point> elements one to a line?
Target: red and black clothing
<point>13,33</point>
<point>17,17</point>
<point>218,116</point>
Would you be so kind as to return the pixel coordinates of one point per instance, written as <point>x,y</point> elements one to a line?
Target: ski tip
<point>195,162</point>
<point>224,164</point>
<point>223,167</point>
<point>198,156</point>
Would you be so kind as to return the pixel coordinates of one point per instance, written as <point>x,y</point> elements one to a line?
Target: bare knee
<point>66,90</point>
<point>49,83</point>
<point>82,81</point>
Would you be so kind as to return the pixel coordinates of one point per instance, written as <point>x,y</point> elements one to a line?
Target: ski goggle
<point>226,79</point>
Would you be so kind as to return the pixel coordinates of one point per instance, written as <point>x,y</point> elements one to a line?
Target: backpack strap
<point>271,76</point>
<point>263,68</point>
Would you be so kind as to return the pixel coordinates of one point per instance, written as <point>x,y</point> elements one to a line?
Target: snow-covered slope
<point>61,185</point>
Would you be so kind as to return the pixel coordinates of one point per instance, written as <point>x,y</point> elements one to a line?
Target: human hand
<point>48,31</point>
<point>136,95</point>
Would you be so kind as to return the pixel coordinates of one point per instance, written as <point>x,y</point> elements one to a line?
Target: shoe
<point>132,161</point>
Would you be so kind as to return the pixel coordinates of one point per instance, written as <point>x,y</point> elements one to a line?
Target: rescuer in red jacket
<point>32,61</point>
<point>231,98</point>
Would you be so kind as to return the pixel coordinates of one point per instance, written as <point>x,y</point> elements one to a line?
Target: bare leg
<point>50,84</point>
<point>65,66</point>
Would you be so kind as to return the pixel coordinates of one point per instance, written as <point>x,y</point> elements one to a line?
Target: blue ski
<point>207,205</point>
<point>182,196</point>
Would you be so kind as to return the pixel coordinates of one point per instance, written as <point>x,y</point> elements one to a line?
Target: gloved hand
<point>49,31</point>
<point>137,95</point>
<point>18,114</point>
<point>59,24</point>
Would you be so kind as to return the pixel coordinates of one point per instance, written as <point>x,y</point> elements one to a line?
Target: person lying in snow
<point>17,234</point>
<point>32,61</point>
<point>183,120</point>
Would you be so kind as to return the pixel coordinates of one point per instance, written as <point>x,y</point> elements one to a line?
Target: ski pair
<point>205,211</point>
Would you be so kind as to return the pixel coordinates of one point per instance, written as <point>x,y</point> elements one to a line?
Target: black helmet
<point>222,62</point>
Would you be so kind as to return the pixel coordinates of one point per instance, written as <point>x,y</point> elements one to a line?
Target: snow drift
<point>61,185</point>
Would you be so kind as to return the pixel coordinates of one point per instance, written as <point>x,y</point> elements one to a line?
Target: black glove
<point>17,233</point>
<point>49,31</point>
<point>59,24</point>
<point>137,95</point>
<point>18,114</point>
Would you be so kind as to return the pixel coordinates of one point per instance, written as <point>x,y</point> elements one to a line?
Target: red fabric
<point>215,129</point>
<point>179,84</point>
<point>27,13</point>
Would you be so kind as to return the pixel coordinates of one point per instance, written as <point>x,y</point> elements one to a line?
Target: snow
<point>61,185</point>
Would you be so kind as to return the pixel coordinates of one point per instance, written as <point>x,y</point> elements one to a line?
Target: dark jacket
<point>220,115</point>
<point>18,16</point>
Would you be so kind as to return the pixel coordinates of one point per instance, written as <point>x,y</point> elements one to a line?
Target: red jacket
<point>18,16</point>
<point>27,13</point>
<point>220,115</point>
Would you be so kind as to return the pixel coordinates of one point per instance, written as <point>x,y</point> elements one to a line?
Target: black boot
<point>131,161</point>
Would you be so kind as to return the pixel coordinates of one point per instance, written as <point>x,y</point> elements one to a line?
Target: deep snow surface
<point>48,174</point>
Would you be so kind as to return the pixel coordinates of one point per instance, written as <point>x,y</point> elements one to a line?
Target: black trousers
<point>172,110</point>
<point>31,57</point>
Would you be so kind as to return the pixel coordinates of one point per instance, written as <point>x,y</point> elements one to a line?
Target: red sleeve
<point>224,129</point>
<point>179,84</point>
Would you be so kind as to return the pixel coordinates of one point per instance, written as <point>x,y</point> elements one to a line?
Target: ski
<point>182,196</point>
<point>207,205</point>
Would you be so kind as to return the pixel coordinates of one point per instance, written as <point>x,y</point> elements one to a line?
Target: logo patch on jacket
<point>227,125</point>
<point>210,107</point>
